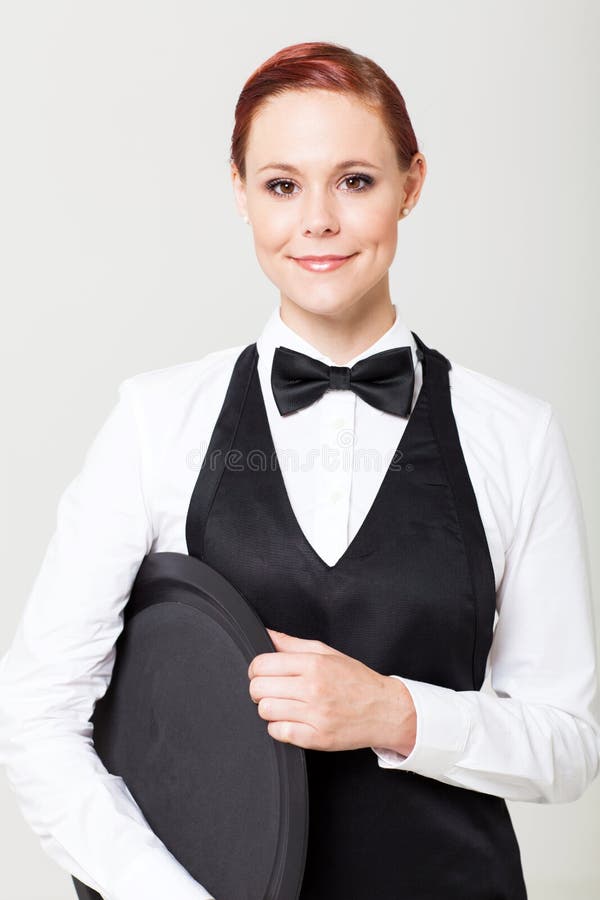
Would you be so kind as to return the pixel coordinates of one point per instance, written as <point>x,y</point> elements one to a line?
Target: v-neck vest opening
<point>433,471</point>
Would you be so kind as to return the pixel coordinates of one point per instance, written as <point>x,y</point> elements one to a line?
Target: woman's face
<point>304,198</point>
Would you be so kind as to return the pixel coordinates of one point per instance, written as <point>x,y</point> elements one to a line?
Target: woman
<point>423,497</point>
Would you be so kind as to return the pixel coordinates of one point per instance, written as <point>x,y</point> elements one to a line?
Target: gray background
<point>122,250</point>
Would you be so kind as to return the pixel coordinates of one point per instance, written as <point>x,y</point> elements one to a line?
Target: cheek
<point>272,233</point>
<point>377,226</point>
<point>272,244</point>
<point>271,251</point>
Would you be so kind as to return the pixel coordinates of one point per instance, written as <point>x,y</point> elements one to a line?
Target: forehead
<point>316,126</point>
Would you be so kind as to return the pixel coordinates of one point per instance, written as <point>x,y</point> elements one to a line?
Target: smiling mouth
<point>322,263</point>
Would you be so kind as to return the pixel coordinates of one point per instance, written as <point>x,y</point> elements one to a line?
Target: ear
<point>239,190</point>
<point>413,182</point>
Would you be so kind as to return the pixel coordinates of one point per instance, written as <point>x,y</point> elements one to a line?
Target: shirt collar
<point>276,333</point>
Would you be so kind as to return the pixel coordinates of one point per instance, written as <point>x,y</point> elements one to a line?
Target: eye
<point>366,178</point>
<point>272,185</point>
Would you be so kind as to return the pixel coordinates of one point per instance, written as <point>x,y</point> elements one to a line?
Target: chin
<point>323,306</point>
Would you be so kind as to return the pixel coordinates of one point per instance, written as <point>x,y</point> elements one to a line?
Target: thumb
<point>290,643</point>
<point>287,640</point>
<point>277,635</point>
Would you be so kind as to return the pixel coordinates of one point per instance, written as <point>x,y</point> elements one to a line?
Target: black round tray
<point>177,722</point>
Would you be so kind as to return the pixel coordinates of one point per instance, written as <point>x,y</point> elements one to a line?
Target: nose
<point>318,214</point>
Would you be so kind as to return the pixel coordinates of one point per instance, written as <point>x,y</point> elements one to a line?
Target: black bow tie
<point>385,380</point>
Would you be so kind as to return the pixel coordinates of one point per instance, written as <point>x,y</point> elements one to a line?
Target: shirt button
<point>336,495</point>
<point>338,423</point>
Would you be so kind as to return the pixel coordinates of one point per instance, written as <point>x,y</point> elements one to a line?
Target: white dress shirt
<point>533,734</point>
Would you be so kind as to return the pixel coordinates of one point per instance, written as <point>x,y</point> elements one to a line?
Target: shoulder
<point>183,382</point>
<point>169,401</point>
<point>503,416</point>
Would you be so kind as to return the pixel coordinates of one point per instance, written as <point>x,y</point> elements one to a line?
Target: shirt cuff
<point>155,874</point>
<point>443,727</point>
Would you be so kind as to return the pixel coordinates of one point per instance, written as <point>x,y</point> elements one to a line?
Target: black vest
<point>412,595</point>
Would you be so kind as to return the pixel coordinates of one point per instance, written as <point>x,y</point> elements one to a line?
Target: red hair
<point>330,67</point>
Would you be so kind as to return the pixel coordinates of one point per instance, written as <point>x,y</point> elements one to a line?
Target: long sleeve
<point>59,664</point>
<point>536,736</point>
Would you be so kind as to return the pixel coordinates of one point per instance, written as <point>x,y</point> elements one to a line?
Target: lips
<point>322,263</point>
<point>323,258</point>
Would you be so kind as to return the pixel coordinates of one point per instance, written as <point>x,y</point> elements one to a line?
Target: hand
<point>316,697</point>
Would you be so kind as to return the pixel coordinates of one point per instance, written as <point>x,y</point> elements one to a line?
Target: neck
<point>340,335</point>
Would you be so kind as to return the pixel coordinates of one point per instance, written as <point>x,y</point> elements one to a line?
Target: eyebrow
<point>347,163</point>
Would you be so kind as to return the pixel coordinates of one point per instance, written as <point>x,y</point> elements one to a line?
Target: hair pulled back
<point>325,66</point>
